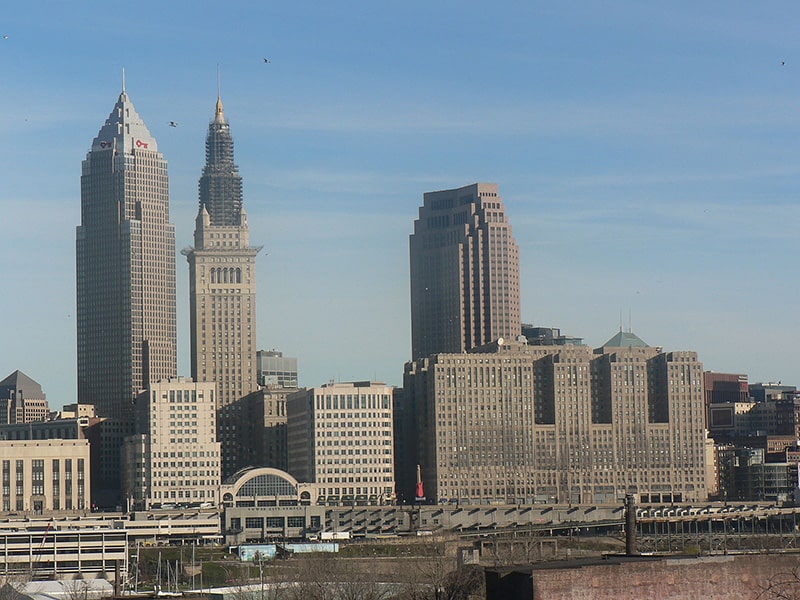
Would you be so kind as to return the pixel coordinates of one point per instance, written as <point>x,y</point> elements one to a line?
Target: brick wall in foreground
<point>723,577</point>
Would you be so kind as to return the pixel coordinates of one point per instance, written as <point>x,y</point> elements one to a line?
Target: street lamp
<point>261,575</point>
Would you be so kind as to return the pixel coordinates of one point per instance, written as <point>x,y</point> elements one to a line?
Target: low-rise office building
<point>275,369</point>
<point>82,427</point>
<point>45,475</point>
<point>263,503</point>
<point>757,479</point>
<point>36,549</point>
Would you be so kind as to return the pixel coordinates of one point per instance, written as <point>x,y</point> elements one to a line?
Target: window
<point>275,522</point>
<point>267,485</point>
<point>37,477</point>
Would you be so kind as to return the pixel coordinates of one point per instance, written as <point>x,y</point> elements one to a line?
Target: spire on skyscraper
<point>220,183</point>
<point>219,116</point>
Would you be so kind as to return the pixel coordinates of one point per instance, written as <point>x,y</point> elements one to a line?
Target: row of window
<point>351,401</point>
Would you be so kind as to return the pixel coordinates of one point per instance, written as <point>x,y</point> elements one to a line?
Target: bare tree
<point>77,589</point>
<point>246,584</point>
<point>440,577</point>
<point>782,586</point>
<point>237,577</point>
<point>330,578</point>
<point>12,584</point>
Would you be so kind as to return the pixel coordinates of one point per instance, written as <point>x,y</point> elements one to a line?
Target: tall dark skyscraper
<point>125,272</point>
<point>464,272</point>
<point>222,286</point>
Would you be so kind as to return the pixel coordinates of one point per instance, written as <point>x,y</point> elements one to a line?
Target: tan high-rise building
<point>464,272</point>
<point>340,436</point>
<point>557,424</point>
<point>174,458</point>
<point>125,256</point>
<point>222,285</point>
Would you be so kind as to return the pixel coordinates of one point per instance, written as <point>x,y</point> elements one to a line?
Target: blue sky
<point>647,156</point>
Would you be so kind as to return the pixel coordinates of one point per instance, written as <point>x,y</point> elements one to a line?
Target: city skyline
<point>646,158</point>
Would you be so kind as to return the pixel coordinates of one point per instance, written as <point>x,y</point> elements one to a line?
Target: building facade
<point>75,411</point>
<point>40,552</point>
<point>725,387</point>
<point>548,336</point>
<point>22,400</point>
<point>759,480</point>
<point>512,423</point>
<point>275,369</point>
<point>174,457</point>
<point>266,503</point>
<point>74,428</point>
<point>465,289</point>
<point>728,420</point>
<point>340,437</point>
<point>261,428</point>
<point>45,475</point>
<point>765,392</point>
<point>222,285</point>
<point>125,255</point>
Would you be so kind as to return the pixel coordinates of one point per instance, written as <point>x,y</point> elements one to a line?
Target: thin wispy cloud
<point>646,154</point>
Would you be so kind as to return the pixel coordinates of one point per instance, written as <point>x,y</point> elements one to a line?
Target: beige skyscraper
<point>125,266</point>
<point>222,284</point>
<point>125,256</point>
<point>464,272</point>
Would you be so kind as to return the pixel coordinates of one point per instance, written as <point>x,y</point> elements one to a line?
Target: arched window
<point>267,485</point>
<point>238,275</point>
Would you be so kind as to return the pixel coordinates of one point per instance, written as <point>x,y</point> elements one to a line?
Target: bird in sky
<point>173,124</point>
<point>266,60</point>
<point>5,37</point>
<point>783,63</point>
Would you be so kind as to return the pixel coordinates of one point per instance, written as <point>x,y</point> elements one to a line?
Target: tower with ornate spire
<point>222,286</point>
<point>220,183</point>
<point>125,259</point>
